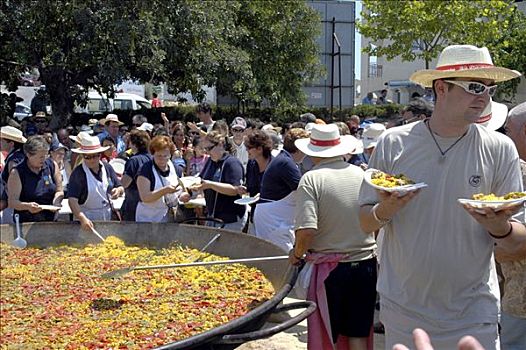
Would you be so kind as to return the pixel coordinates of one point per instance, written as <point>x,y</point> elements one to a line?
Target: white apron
<point>158,211</point>
<point>274,221</point>
<point>97,206</point>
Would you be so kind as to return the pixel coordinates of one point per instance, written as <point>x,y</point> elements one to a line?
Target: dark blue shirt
<point>227,170</point>
<point>281,177</point>
<point>132,168</point>
<point>37,187</point>
<point>254,177</point>
<point>78,184</point>
<point>16,156</point>
<point>357,159</point>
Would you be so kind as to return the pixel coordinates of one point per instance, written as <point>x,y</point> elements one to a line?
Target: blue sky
<point>358,44</point>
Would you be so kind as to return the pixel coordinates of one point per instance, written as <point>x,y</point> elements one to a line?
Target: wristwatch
<point>380,221</point>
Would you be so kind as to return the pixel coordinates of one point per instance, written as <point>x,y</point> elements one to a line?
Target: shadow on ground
<point>295,338</point>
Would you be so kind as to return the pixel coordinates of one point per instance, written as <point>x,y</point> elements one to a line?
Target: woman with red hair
<point>158,183</point>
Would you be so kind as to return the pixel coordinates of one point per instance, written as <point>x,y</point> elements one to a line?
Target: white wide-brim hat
<point>81,135</point>
<point>325,142</point>
<point>494,115</point>
<point>146,127</point>
<point>464,61</point>
<point>12,133</point>
<point>111,118</point>
<point>359,148</point>
<point>89,145</point>
<point>371,133</point>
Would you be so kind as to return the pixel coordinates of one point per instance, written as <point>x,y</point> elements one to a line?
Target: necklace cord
<point>443,153</point>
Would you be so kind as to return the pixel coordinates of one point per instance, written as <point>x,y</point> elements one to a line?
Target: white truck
<point>99,103</point>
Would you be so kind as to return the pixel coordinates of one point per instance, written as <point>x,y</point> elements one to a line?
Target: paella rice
<point>54,298</point>
<point>494,198</point>
<point>382,179</point>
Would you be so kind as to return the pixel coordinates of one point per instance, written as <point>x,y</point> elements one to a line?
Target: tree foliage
<point>257,50</point>
<point>432,24</point>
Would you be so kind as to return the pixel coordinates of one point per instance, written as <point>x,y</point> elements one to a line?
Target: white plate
<point>49,207</point>
<point>196,202</point>
<point>400,189</point>
<point>495,205</point>
<point>247,200</point>
<point>189,181</point>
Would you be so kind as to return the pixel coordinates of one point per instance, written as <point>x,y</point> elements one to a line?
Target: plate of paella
<point>391,183</point>
<point>480,200</point>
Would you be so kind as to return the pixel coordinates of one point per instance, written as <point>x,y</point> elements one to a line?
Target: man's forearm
<point>303,241</point>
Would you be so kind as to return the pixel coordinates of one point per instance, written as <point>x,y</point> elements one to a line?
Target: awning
<point>401,83</point>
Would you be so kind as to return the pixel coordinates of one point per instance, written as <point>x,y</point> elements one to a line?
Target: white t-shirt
<point>437,262</point>
<point>241,153</point>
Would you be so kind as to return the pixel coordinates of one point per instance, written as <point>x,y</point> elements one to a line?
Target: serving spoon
<point>97,234</point>
<point>19,242</point>
<point>126,270</point>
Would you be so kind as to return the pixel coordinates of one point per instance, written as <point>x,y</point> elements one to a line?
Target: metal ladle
<point>19,242</point>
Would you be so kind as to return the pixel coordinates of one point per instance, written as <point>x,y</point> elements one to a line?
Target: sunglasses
<point>91,156</point>
<point>209,148</point>
<point>40,121</point>
<point>474,87</point>
<point>238,130</point>
<point>193,132</point>
<point>137,125</point>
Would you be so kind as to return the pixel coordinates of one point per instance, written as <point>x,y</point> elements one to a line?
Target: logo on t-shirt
<point>474,180</point>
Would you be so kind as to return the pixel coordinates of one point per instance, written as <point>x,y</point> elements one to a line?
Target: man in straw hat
<point>437,270</point>
<point>328,236</point>
<point>93,184</point>
<point>111,128</point>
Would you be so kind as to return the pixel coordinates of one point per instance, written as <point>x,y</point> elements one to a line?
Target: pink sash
<point>319,323</point>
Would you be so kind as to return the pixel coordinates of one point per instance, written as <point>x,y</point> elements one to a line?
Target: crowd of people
<point>431,260</point>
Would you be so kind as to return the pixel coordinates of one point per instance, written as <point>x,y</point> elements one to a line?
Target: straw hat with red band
<point>89,145</point>
<point>494,115</point>
<point>464,61</point>
<point>325,142</point>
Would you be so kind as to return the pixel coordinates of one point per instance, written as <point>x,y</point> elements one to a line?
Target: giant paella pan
<point>238,328</point>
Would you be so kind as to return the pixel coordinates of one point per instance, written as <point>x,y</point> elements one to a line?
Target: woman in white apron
<point>92,185</point>
<point>274,214</point>
<point>158,184</point>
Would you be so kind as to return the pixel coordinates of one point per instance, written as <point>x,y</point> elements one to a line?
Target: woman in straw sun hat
<point>35,182</point>
<point>92,185</point>
<point>11,142</point>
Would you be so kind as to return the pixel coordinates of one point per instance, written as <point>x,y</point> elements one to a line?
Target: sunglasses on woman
<point>474,87</point>
<point>209,148</point>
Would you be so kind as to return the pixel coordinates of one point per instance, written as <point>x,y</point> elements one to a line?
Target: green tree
<point>396,26</point>
<point>278,37</point>
<point>509,50</point>
<point>91,44</point>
